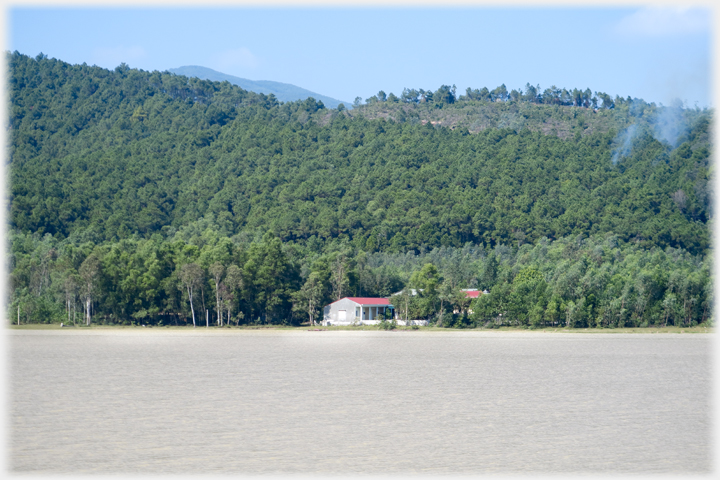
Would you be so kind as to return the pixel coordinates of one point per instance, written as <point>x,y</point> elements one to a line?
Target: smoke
<point>670,124</point>
<point>666,126</point>
<point>625,139</point>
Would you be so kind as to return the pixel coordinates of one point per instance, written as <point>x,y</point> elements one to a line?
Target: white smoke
<point>625,139</point>
<point>670,123</point>
<point>666,126</point>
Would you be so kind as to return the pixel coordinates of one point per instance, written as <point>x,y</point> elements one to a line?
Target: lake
<point>347,402</point>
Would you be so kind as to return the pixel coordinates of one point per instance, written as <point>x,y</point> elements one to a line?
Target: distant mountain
<point>284,92</point>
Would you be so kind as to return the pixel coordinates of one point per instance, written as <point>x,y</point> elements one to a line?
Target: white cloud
<point>665,21</point>
<point>235,58</point>
<point>111,57</point>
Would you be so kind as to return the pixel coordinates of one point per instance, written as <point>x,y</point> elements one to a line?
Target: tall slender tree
<point>216,271</point>
<point>308,298</point>
<point>190,276</point>
<point>339,277</point>
<point>90,273</point>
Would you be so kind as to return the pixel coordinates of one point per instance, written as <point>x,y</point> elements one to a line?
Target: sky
<point>657,54</point>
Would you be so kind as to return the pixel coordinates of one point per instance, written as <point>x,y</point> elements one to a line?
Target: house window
<point>357,311</point>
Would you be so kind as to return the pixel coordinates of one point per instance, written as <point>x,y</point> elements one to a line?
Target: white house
<point>357,311</point>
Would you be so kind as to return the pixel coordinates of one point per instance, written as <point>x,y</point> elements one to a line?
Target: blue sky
<point>652,53</point>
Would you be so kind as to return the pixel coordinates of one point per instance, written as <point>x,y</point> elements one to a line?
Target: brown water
<point>160,401</point>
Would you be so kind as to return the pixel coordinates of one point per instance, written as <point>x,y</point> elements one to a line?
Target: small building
<point>470,294</point>
<point>357,311</point>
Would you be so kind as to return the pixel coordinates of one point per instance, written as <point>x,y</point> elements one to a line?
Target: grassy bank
<point>658,330</point>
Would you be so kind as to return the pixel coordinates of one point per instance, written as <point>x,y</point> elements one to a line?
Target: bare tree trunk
<point>192,309</point>
<point>441,312</point>
<point>219,306</point>
<point>87,310</point>
<point>18,314</point>
<point>207,318</point>
<point>311,312</point>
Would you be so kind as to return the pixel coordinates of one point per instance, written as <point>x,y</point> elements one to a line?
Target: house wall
<point>331,313</point>
<point>354,313</point>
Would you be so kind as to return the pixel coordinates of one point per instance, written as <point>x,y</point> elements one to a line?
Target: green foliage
<point>120,178</point>
<point>574,282</point>
<point>387,324</point>
<point>528,275</point>
<point>596,282</point>
<point>117,153</point>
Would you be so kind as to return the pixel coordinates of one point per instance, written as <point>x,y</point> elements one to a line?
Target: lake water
<point>347,402</point>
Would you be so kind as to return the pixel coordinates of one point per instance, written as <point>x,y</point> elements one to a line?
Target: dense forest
<point>156,198</point>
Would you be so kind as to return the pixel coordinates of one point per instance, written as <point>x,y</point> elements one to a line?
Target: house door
<point>342,315</point>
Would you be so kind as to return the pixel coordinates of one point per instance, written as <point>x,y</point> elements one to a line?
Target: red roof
<point>368,300</point>
<point>472,294</point>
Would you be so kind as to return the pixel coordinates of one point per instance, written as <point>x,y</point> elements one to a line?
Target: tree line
<point>218,281</point>
<point>447,95</point>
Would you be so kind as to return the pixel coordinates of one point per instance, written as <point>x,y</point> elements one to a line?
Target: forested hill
<point>104,155</point>
<point>156,198</point>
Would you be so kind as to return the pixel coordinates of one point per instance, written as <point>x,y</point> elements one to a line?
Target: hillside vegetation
<point>149,172</point>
